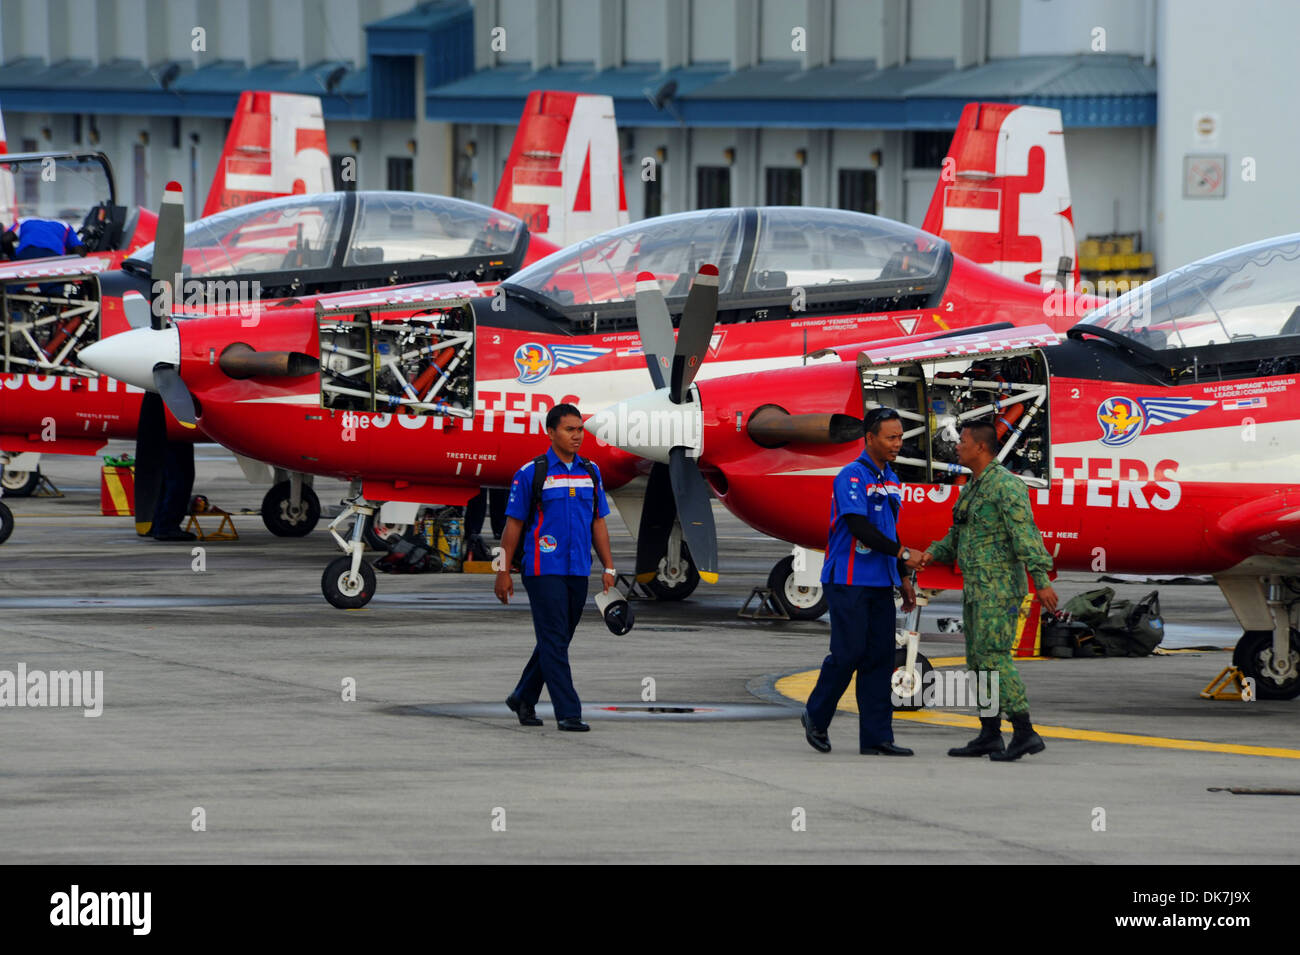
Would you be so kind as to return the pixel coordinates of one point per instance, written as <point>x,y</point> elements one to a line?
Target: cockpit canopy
<point>345,231</point>
<point>59,186</point>
<point>763,256</point>
<point>1245,294</point>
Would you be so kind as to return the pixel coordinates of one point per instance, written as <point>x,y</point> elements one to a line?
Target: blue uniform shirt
<point>44,234</point>
<point>860,488</point>
<point>559,540</point>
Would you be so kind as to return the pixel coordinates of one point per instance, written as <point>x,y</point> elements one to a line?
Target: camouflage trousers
<point>989,618</point>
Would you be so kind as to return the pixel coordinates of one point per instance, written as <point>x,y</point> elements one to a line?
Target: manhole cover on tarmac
<point>656,712</point>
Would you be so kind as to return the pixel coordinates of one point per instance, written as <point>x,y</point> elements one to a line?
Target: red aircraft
<point>275,147</point>
<point>1158,438</point>
<point>563,174</point>
<point>470,381</point>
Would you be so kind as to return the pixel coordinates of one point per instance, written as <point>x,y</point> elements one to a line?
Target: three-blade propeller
<point>677,493</point>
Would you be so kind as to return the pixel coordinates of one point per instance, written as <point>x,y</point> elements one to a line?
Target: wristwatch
<point>906,555</point>
<point>611,571</point>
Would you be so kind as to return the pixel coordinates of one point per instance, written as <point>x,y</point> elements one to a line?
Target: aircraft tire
<point>6,523</point>
<point>800,603</point>
<point>675,587</point>
<point>343,593</point>
<point>20,483</point>
<point>925,666</point>
<point>278,518</point>
<point>1253,653</point>
<point>1247,638</point>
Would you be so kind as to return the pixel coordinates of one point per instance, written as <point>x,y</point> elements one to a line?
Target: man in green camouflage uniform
<point>994,541</point>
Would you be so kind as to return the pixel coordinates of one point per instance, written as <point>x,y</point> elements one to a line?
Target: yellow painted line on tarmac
<point>947,661</point>
<point>799,686</point>
<point>940,662</point>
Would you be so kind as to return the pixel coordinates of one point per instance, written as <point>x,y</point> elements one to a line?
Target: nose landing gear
<point>349,581</point>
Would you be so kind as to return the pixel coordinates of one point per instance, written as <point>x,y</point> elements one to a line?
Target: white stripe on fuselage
<point>1266,452</point>
<point>600,389</point>
<point>595,389</point>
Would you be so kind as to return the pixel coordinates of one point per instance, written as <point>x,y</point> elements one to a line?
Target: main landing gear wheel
<point>6,523</point>
<point>20,483</point>
<point>1253,655</point>
<point>675,581</point>
<point>344,590</point>
<point>800,603</point>
<point>283,519</point>
<point>906,684</point>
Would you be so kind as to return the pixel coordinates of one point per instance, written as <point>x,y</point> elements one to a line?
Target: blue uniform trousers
<point>173,505</point>
<point>862,639</point>
<point>557,603</point>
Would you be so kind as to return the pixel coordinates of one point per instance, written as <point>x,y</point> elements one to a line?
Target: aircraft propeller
<point>670,421</point>
<point>165,279</point>
<point>152,449</point>
<point>677,493</point>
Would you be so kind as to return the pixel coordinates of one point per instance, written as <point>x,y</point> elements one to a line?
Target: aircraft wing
<point>1004,341</point>
<point>60,267</point>
<point>1270,525</point>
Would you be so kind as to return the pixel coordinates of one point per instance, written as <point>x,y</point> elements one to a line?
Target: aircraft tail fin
<point>1003,198</point>
<point>276,147</point>
<point>564,177</point>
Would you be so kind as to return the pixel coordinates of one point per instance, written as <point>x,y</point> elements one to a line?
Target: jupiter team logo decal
<point>535,362</point>
<point>1122,419</point>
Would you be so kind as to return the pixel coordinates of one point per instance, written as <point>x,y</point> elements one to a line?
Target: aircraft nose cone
<point>649,425</point>
<point>131,356</point>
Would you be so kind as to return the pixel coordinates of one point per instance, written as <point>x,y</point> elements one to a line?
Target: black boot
<point>989,740</point>
<point>1024,741</point>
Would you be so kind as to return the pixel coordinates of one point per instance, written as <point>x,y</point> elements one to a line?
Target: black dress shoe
<point>817,739</point>
<point>573,725</point>
<point>885,749</point>
<point>177,535</point>
<point>525,711</point>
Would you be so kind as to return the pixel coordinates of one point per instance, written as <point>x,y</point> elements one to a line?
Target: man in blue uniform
<point>864,563</point>
<point>557,507</point>
<point>40,239</point>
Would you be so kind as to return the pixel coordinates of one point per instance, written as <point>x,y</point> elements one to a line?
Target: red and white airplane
<point>275,147</point>
<point>793,280</point>
<point>1159,437</point>
<point>563,173</point>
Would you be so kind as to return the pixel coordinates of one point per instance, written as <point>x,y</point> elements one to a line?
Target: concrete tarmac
<point>223,704</point>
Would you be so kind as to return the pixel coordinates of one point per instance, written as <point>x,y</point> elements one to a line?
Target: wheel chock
<point>632,588</point>
<point>1228,685</point>
<point>225,530</point>
<point>46,488</point>
<point>766,607</point>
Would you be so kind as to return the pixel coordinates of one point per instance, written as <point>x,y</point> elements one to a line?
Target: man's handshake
<point>918,561</point>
